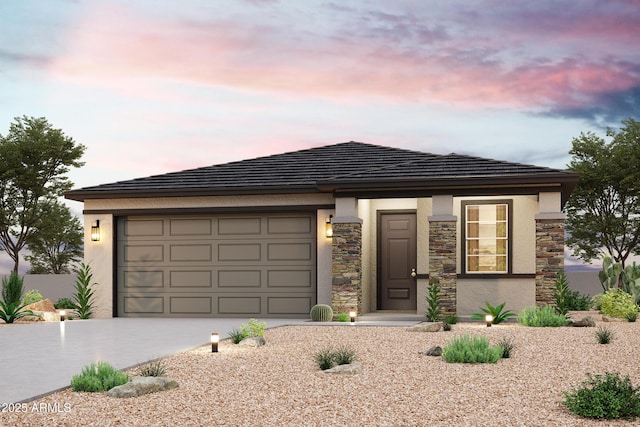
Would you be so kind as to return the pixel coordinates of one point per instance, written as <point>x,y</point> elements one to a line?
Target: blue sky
<point>156,86</point>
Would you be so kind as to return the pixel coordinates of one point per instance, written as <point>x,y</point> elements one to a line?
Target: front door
<point>396,261</point>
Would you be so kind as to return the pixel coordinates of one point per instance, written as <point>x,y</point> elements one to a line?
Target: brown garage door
<point>216,266</point>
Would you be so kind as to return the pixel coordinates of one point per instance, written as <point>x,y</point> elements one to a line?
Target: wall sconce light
<point>215,338</point>
<point>62,315</point>
<point>95,230</point>
<point>352,316</point>
<point>489,320</point>
<point>328,227</point>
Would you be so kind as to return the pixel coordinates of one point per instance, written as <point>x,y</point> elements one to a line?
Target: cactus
<point>610,273</point>
<point>321,313</point>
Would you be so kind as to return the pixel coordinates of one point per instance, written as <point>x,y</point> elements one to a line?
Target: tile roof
<point>349,165</point>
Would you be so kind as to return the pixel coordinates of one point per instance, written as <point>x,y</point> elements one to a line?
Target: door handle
<point>413,272</point>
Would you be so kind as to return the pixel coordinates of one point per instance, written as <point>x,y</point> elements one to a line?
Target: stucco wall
<point>323,267</point>
<point>516,293</point>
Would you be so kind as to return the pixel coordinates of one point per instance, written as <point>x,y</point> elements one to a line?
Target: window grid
<point>487,238</point>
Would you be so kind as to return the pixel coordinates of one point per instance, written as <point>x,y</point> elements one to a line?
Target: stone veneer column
<point>549,255</point>
<point>346,265</point>
<point>442,260</point>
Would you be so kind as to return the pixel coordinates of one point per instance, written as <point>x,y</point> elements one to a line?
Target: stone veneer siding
<point>346,265</point>
<point>549,258</point>
<point>442,262</point>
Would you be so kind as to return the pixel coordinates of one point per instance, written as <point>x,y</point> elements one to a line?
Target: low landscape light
<point>489,319</point>
<point>352,316</point>
<point>62,314</point>
<point>215,338</point>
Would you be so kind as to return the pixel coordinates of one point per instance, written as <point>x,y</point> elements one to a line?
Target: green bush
<point>541,317</point>
<point>466,349</point>
<point>328,357</point>
<point>251,329</point>
<point>451,319</point>
<point>14,311</point>
<point>32,296</point>
<point>499,316</point>
<point>65,303</point>
<point>608,397</point>
<point>343,316</point>
<point>604,335</point>
<point>12,287</point>
<point>567,300</point>
<point>236,335</point>
<point>433,301</point>
<point>615,303</point>
<point>321,313</point>
<point>83,297</point>
<point>98,377</point>
<point>155,368</point>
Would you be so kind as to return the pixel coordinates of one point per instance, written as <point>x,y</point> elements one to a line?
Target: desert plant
<point>12,287</point>
<point>508,346</point>
<point>499,316</point>
<point>451,319</point>
<point>64,303</point>
<point>14,311</point>
<point>83,297</point>
<point>328,357</point>
<point>610,274</point>
<point>604,335</point>
<point>321,313</point>
<point>253,328</point>
<point>471,349</point>
<point>99,376</point>
<point>155,368</point>
<point>541,317</point>
<point>605,396</point>
<point>433,301</point>
<point>343,316</point>
<point>615,303</point>
<point>324,358</point>
<point>236,335</point>
<point>343,355</point>
<point>631,316</point>
<point>31,297</point>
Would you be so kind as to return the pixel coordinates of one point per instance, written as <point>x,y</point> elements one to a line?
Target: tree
<point>603,213</point>
<point>34,161</point>
<point>57,243</point>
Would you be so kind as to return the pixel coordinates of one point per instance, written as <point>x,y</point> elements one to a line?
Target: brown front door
<point>396,260</point>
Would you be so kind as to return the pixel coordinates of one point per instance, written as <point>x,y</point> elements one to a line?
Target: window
<point>486,237</point>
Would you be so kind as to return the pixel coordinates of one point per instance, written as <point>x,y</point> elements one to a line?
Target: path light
<point>352,316</point>
<point>489,319</point>
<point>328,227</point>
<point>62,314</point>
<point>215,338</point>
<point>95,230</point>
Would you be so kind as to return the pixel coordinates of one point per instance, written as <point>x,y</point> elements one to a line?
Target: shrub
<point>507,345</point>
<point>98,377</point>
<point>14,311</point>
<point>328,357</point>
<point>604,335</point>
<point>433,301</point>
<point>12,287</point>
<point>499,316</point>
<point>321,313</point>
<point>236,335</point>
<point>541,317</point>
<point>466,349</point>
<point>32,296</point>
<point>631,316</point>
<point>451,319</point>
<point>251,329</point>
<point>64,303</point>
<point>83,298</point>
<point>608,396</point>
<point>567,300</point>
<point>155,368</point>
<point>343,316</point>
<point>615,303</point>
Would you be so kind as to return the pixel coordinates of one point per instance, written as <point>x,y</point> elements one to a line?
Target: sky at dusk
<point>154,86</point>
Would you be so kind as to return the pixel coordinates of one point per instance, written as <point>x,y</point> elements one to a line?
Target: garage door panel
<point>190,279</point>
<point>239,305</point>
<point>239,252</point>
<point>143,305</point>
<point>239,226</point>
<point>144,228</point>
<point>289,279</point>
<point>190,227</point>
<point>143,253</point>
<point>193,252</point>
<point>289,225</point>
<point>142,279</point>
<point>190,305</point>
<point>289,251</point>
<point>239,278</point>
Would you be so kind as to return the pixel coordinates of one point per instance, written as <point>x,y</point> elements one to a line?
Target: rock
<point>43,305</point>
<point>433,351</point>
<point>425,327</point>
<point>586,321</point>
<point>253,342</point>
<point>613,319</point>
<point>139,386</point>
<point>351,368</point>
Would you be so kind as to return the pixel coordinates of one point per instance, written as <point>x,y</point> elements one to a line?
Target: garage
<point>226,265</point>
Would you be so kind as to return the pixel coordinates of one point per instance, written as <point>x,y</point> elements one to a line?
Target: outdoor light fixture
<point>215,338</point>
<point>352,316</point>
<point>489,319</point>
<point>328,227</point>
<point>95,230</point>
<point>62,315</point>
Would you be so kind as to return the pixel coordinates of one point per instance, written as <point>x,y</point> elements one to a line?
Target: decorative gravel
<point>280,384</point>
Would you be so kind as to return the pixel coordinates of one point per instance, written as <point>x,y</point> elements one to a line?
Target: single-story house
<point>357,226</point>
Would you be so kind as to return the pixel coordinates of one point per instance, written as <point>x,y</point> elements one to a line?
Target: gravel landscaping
<point>280,384</point>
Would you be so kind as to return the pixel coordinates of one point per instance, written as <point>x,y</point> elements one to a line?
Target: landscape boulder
<point>425,327</point>
<point>586,321</point>
<point>433,351</point>
<point>43,310</point>
<point>351,368</point>
<point>139,386</point>
<point>253,342</point>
